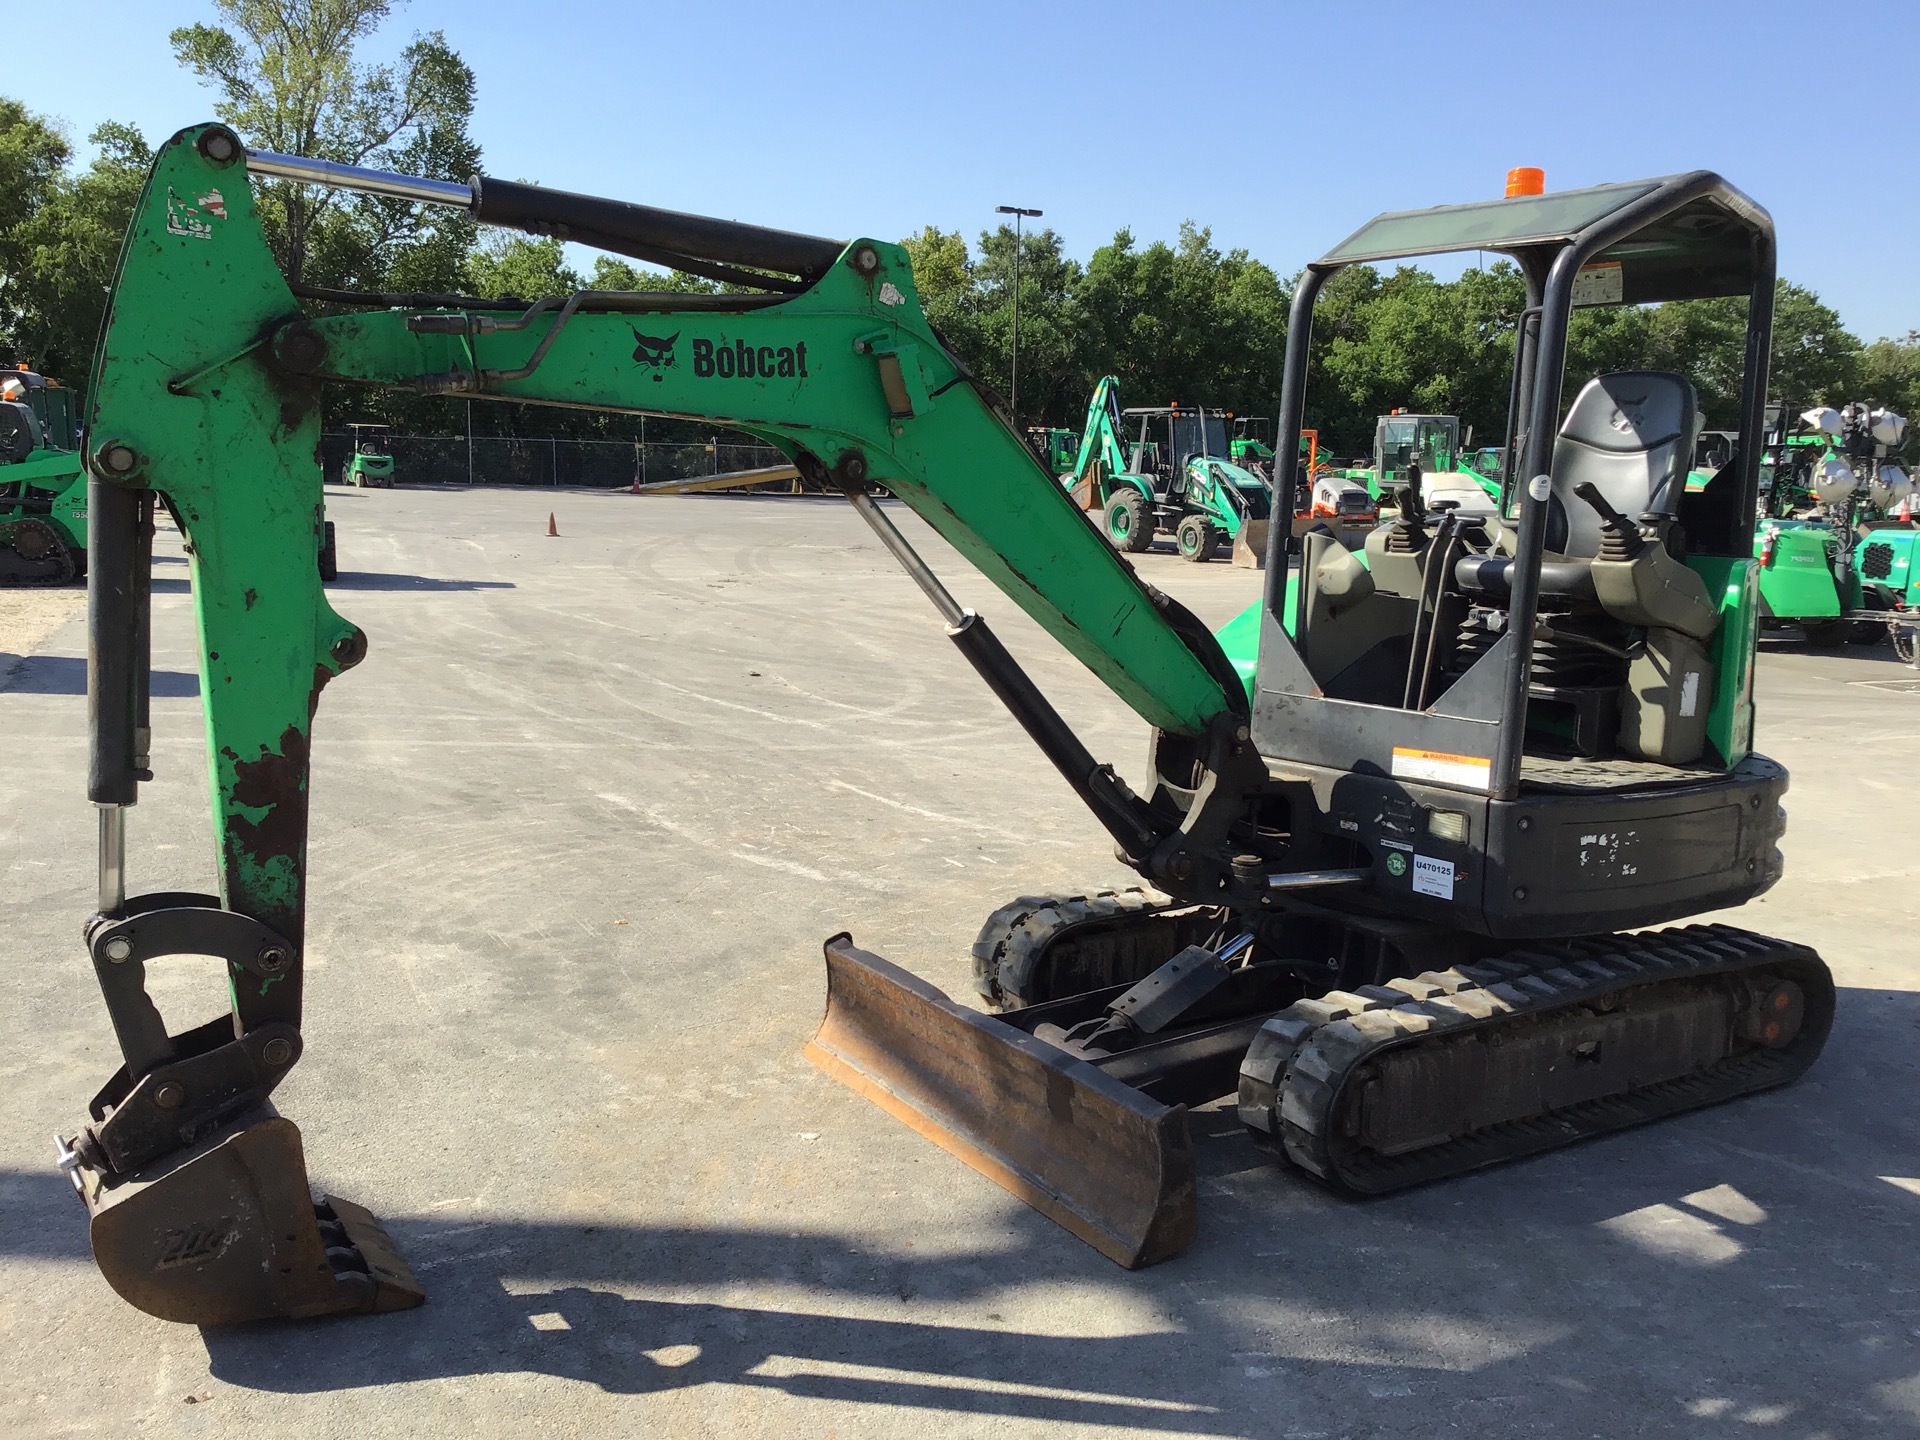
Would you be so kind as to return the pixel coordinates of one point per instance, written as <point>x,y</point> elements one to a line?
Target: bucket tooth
<point>1095,1155</point>
<point>228,1231</point>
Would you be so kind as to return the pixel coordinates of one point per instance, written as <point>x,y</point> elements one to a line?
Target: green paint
<point>1796,570</point>
<point>50,484</point>
<point>1240,638</point>
<point>1736,583</point>
<point>183,378</point>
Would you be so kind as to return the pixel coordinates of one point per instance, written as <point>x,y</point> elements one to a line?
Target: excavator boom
<point>205,398</point>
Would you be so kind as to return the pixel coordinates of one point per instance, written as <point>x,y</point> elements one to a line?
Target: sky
<point>1281,126</point>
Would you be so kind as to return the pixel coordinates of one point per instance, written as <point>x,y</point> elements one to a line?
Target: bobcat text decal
<point>741,361</point>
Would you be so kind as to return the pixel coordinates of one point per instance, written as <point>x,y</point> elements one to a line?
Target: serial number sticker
<point>1601,284</point>
<point>1432,877</point>
<point>1472,772</point>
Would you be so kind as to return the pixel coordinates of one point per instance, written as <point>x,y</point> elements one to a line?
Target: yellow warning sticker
<point>1471,772</point>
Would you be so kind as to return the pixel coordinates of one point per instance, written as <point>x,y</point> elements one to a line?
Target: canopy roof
<point>1695,238</point>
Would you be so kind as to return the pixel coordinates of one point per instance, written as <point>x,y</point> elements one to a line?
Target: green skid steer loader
<point>1405,826</point>
<point>43,485</point>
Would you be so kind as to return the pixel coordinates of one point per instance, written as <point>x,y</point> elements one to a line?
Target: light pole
<point>1013,384</point>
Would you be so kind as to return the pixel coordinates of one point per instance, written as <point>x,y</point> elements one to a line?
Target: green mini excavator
<point>1406,823</point>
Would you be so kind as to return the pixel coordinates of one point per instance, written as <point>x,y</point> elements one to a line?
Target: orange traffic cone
<point>553,530</point>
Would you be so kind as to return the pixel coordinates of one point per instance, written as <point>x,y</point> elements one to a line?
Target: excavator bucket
<point>1100,1158</point>
<point>228,1231</point>
<point>1250,545</point>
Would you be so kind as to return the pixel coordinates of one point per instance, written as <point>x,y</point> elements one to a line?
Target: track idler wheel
<point>228,1231</point>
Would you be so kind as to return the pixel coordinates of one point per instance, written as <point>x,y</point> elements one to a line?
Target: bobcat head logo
<point>655,353</point>
<point>1628,418</point>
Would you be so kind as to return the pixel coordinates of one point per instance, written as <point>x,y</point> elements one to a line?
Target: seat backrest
<point>1631,435</point>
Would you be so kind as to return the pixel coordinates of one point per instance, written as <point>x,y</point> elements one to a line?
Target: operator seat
<point>1630,435</point>
<point>19,431</point>
<point>1619,474</point>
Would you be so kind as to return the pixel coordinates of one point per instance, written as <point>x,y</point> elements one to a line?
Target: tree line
<point>1174,321</point>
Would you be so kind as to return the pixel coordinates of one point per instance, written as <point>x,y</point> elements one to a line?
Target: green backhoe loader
<point>1407,821</point>
<point>1172,478</point>
<point>43,485</point>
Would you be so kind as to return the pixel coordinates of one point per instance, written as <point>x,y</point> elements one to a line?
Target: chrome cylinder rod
<point>353,177</point>
<point>113,859</point>
<point>949,608</point>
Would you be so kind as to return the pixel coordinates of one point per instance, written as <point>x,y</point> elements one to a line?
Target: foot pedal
<point>228,1231</point>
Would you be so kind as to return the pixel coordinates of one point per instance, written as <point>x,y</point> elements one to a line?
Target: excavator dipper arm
<point>205,398</point>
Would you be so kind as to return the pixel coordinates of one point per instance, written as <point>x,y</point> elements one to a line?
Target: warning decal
<point>1471,772</point>
<point>1601,284</point>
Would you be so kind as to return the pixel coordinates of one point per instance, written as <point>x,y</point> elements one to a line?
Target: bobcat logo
<point>202,1240</point>
<point>191,220</point>
<point>1628,418</point>
<point>653,352</point>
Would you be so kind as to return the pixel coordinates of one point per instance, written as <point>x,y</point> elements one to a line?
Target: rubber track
<point>1009,955</point>
<point>1295,1076</point>
<point>59,556</point>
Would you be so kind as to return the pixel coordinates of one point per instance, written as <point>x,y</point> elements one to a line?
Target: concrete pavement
<point>580,823</point>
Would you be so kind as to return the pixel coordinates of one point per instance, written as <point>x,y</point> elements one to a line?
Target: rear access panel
<point>1567,863</point>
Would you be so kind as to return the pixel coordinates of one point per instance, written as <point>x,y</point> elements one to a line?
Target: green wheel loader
<point>1404,828</point>
<point>1432,442</point>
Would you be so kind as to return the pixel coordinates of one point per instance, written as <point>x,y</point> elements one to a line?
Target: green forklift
<point>43,483</point>
<point>370,461</point>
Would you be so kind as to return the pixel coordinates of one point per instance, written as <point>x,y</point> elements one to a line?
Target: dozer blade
<point>1100,1158</point>
<point>228,1231</point>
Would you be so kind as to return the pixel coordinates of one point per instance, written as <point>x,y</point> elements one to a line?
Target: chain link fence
<point>556,461</point>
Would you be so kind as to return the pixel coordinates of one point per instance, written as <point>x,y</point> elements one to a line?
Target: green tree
<point>1050,375</point>
<point>1185,322</point>
<point>943,274</point>
<point>75,246</point>
<point>610,272</point>
<point>520,267</point>
<point>1815,359</point>
<point>33,155</point>
<point>1434,347</point>
<point>288,81</point>
<point>1890,374</point>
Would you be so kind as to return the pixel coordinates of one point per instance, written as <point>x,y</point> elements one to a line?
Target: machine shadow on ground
<point>67,675</point>
<point>1679,1269</point>
<point>374,580</point>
